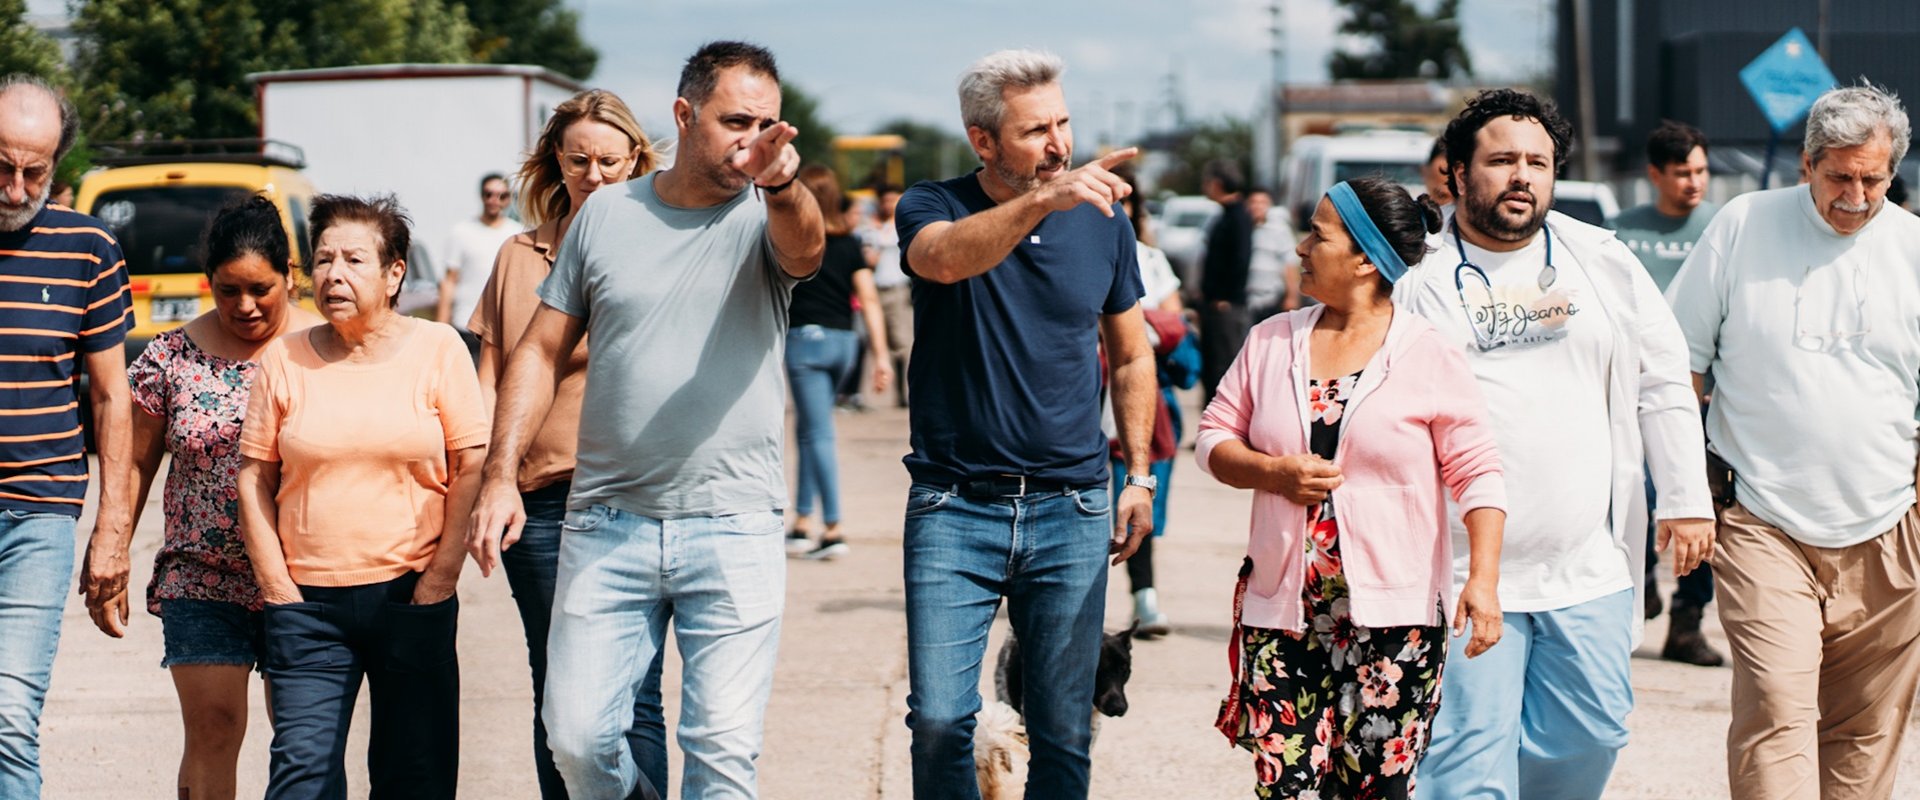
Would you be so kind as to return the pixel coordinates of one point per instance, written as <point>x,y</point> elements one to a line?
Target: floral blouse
<point>203,399</point>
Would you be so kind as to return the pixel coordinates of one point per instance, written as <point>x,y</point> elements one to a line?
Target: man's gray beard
<point>1020,184</point>
<point>13,218</point>
<point>1484,218</point>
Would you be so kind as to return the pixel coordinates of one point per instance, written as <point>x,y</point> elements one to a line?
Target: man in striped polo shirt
<point>63,308</point>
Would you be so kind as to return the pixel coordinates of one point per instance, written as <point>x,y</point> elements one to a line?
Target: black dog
<point>1109,681</point>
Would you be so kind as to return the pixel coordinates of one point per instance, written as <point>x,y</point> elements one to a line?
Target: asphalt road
<point>834,727</point>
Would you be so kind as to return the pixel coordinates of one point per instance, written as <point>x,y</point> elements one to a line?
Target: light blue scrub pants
<point>1542,715</point>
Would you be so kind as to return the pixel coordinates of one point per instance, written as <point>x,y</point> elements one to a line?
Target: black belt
<point>1010,486</point>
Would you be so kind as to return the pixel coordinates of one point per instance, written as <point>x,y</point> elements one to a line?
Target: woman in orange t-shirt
<point>363,445</point>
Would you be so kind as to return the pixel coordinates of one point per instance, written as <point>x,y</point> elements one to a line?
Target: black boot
<point>1653,598</point>
<point>1685,642</point>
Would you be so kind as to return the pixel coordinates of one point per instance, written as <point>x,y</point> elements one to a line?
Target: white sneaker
<point>1149,623</point>
<point>798,544</point>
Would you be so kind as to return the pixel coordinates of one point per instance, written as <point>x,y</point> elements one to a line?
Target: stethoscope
<point>1548,274</point>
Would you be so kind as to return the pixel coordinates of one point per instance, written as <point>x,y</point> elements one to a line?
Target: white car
<point>1586,201</point>
<point>1181,232</point>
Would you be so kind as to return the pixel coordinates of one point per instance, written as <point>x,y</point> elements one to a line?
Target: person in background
<point>1273,273</point>
<point>471,248</point>
<point>1177,362</point>
<point>821,346</point>
<point>589,143</point>
<point>1223,276</point>
<point>191,387</point>
<point>1433,174</point>
<point>63,285</point>
<point>362,449</point>
<point>896,290</point>
<point>1662,234</point>
<point>1340,612</point>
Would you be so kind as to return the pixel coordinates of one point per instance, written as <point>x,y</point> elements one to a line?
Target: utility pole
<point>1583,68</point>
<point>1268,139</point>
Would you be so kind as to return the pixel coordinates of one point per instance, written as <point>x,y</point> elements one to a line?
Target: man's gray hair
<point>69,119</point>
<point>1852,116</point>
<point>982,103</point>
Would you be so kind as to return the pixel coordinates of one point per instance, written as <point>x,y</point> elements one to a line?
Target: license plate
<point>174,309</point>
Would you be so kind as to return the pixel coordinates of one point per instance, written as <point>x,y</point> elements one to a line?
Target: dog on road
<point>1000,749</point>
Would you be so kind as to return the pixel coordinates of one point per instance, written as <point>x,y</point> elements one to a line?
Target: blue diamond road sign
<point>1786,79</point>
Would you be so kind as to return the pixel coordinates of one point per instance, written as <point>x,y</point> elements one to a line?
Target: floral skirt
<point>1339,711</point>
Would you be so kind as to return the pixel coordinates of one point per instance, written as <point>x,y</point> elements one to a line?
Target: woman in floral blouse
<point>193,384</point>
<point>1355,425</point>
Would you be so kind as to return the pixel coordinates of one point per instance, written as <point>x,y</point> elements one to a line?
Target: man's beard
<point>1484,215</point>
<point>1022,183</point>
<point>15,217</point>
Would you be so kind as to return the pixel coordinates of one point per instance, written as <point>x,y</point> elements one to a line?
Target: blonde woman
<point>590,141</point>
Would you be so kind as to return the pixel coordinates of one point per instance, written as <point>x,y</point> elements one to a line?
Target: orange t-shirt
<point>363,451</point>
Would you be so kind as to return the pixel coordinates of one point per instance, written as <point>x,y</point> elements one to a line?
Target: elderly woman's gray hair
<point>1852,116</point>
<point>982,102</point>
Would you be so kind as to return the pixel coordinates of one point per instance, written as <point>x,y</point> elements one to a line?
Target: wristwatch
<point>1151,483</point>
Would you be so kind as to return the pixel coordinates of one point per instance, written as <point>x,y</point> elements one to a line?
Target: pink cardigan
<point>1415,421</point>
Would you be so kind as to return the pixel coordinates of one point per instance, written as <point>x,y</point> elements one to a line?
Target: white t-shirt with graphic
<point>1542,357</point>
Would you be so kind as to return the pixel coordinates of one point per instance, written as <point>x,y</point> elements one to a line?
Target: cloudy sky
<point>869,62</point>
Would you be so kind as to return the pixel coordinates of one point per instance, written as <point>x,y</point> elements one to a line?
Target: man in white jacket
<point>1581,363</point>
<point>1802,303</point>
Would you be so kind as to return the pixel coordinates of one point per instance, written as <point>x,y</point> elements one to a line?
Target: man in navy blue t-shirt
<point>1020,269</point>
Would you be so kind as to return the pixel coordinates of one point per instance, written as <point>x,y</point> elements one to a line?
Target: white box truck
<point>424,132</point>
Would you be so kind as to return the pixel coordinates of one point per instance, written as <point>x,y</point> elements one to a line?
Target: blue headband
<point>1361,228</point>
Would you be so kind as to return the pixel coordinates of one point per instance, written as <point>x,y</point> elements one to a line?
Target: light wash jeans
<point>532,566</point>
<point>722,582</point>
<point>817,359</point>
<point>1045,553</point>
<point>1541,716</point>
<point>36,573</point>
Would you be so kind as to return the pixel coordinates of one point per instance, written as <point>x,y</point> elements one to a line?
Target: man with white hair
<point>1019,269</point>
<point>1802,304</point>
<point>63,288</point>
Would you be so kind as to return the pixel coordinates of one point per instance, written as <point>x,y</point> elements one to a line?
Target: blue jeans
<point>320,649</point>
<point>722,582</point>
<point>1047,555</point>
<point>817,358</point>
<point>36,572</point>
<point>1541,716</point>
<point>531,565</point>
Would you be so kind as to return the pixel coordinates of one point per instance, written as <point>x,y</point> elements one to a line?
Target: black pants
<point>1222,332</point>
<point>317,653</point>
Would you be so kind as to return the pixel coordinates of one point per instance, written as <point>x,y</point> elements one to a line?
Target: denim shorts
<point>210,632</point>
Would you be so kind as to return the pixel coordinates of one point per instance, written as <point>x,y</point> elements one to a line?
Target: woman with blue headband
<point>1354,426</point>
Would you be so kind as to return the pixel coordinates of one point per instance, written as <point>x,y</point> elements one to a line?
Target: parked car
<point>1586,201</point>
<point>1181,231</point>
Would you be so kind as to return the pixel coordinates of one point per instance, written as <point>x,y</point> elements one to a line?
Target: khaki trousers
<point>1824,658</point>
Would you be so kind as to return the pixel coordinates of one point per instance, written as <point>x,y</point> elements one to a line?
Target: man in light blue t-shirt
<point>682,278</point>
<point>1661,234</point>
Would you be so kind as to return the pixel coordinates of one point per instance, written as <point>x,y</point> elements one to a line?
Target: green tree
<point>173,69</point>
<point>802,111</point>
<point>543,32</point>
<point>23,49</point>
<point>933,152</point>
<point>1229,138</point>
<point>1405,42</point>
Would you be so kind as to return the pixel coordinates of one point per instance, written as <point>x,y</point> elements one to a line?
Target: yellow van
<point>157,198</point>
